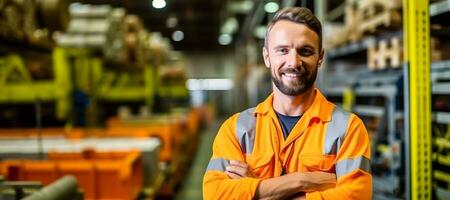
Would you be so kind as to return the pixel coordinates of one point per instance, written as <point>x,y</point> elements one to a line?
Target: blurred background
<point>121,99</point>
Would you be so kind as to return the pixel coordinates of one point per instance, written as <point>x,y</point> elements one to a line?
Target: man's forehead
<point>284,30</point>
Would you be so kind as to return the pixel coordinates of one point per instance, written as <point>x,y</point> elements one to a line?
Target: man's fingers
<point>232,175</point>
<point>317,181</point>
<point>238,163</point>
<point>237,170</point>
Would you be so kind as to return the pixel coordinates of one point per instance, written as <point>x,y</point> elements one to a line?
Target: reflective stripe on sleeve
<point>217,164</point>
<point>245,130</point>
<point>349,165</point>
<point>335,131</point>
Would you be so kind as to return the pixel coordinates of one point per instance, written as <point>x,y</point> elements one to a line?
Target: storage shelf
<point>439,8</point>
<point>442,143</point>
<point>442,176</point>
<point>387,91</point>
<point>367,110</point>
<point>360,46</point>
<point>442,117</point>
<point>334,91</point>
<point>385,185</point>
<point>442,193</point>
<point>441,65</point>
<point>352,48</point>
<point>441,88</point>
<point>435,76</point>
<point>442,159</point>
<point>337,13</point>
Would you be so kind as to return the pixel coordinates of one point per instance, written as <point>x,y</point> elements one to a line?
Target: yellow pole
<point>416,26</point>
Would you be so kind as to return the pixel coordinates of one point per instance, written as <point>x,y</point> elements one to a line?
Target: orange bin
<point>168,131</point>
<point>44,171</point>
<point>101,175</point>
<point>85,173</point>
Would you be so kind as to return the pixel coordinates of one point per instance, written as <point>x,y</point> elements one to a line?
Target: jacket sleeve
<point>217,184</point>
<point>354,180</point>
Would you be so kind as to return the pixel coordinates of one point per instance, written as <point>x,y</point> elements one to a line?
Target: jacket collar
<point>321,108</point>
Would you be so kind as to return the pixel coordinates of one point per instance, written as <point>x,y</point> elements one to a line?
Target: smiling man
<point>295,144</point>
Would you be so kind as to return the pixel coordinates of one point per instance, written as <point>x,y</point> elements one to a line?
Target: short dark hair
<point>298,15</point>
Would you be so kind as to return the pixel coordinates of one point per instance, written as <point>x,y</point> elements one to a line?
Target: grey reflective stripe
<point>346,166</point>
<point>335,132</point>
<point>245,130</point>
<point>218,164</point>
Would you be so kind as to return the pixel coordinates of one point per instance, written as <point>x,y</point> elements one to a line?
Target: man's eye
<point>282,50</point>
<point>306,52</point>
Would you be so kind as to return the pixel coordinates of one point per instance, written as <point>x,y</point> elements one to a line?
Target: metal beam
<point>416,25</point>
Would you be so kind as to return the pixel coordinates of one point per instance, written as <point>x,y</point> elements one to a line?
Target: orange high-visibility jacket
<point>325,138</point>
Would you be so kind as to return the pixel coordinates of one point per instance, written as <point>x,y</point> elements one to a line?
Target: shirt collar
<point>321,108</point>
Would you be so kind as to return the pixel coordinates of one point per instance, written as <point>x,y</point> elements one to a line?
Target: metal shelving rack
<point>440,88</point>
<point>416,75</point>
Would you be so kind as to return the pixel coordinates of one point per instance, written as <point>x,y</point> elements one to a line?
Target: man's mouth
<point>291,75</point>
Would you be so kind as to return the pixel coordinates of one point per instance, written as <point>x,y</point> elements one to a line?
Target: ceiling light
<point>230,26</point>
<point>271,7</point>
<point>225,39</point>
<point>260,32</point>
<point>210,84</point>
<point>171,22</point>
<point>241,7</point>
<point>159,4</point>
<point>177,36</point>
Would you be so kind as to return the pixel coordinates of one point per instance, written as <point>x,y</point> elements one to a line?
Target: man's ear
<point>265,53</point>
<point>321,54</point>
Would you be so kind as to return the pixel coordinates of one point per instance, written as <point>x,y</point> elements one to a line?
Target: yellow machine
<point>17,85</point>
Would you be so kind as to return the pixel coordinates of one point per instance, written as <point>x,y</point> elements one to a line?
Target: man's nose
<point>294,60</point>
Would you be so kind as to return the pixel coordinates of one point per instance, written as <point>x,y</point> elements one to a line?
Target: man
<point>295,144</point>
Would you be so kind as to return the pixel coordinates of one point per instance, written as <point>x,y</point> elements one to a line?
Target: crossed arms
<point>292,186</point>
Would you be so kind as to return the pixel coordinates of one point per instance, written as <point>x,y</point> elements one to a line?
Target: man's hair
<point>298,15</point>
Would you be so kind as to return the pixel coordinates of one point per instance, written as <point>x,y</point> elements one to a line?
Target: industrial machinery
<point>61,189</point>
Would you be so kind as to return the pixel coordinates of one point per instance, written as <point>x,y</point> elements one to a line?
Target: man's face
<point>293,56</point>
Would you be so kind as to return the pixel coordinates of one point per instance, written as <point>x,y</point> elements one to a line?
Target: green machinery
<point>17,86</point>
<point>75,69</point>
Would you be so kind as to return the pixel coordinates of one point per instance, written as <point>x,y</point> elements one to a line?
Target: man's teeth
<point>291,75</point>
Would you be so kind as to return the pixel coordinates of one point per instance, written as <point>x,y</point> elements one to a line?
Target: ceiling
<point>199,20</point>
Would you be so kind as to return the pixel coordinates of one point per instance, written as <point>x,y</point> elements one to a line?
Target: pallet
<point>387,53</point>
<point>340,37</point>
<point>369,8</point>
<point>385,20</point>
<point>439,51</point>
<point>377,15</point>
<point>352,20</point>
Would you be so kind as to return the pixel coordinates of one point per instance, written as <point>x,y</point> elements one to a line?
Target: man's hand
<point>238,169</point>
<point>317,181</point>
<point>297,196</point>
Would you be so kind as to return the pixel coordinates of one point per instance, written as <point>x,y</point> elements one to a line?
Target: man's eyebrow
<point>280,46</point>
<point>308,46</point>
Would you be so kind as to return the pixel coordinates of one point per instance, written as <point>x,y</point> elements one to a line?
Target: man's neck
<point>292,105</point>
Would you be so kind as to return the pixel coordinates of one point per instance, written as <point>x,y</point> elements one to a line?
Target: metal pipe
<point>63,188</point>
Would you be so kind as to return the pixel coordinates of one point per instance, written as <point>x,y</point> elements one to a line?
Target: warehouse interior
<point>122,99</point>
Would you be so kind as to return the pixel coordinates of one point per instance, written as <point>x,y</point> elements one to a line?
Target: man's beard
<point>297,87</point>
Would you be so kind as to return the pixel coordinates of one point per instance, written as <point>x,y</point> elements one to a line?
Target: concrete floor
<point>191,187</point>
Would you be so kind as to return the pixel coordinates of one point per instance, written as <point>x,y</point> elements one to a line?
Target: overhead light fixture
<point>271,7</point>
<point>225,39</point>
<point>260,32</point>
<point>159,4</point>
<point>210,84</point>
<point>230,26</point>
<point>241,7</point>
<point>171,22</point>
<point>177,36</point>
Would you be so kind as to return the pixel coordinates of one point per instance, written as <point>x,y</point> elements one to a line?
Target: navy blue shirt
<point>287,123</point>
